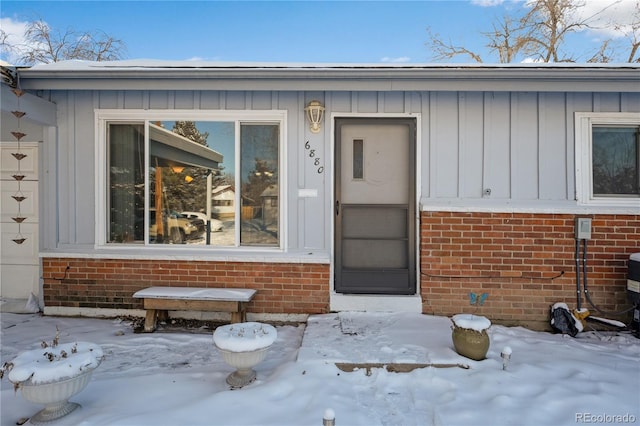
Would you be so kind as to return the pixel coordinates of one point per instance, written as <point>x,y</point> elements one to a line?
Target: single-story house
<point>400,187</point>
<point>223,199</point>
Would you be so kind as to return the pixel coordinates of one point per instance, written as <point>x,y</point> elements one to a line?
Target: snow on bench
<point>159,300</point>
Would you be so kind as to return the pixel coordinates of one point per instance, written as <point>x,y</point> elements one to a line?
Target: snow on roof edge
<point>151,64</point>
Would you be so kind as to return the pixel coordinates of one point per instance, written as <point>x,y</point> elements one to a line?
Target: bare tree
<point>444,50</point>
<point>45,45</point>
<point>632,34</point>
<point>539,32</point>
<point>504,40</point>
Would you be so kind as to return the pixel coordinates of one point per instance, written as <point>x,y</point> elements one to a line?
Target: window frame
<point>104,117</point>
<point>584,124</point>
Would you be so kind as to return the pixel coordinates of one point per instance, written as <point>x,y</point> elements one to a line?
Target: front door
<point>375,206</point>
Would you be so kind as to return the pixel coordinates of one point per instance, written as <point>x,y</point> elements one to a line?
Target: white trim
<point>141,252</point>
<point>584,122</point>
<point>340,302</point>
<point>530,206</point>
<point>103,116</point>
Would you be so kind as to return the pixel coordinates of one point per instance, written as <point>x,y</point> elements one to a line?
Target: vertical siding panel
<point>133,99</point>
<point>393,102</point>
<point>340,102</point>
<point>311,220</point>
<point>183,99</point>
<point>65,159</point>
<point>471,144</point>
<point>261,100</point>
<point>553,147</point>
<point>210,100</point>
<point>82,168</point>
<point>444,144</point>
<point>107,99</point>
<point>50,195</point>
<point>235,100</point>
<point>425,144</point>
<point>367,102</point>
<point>497,148</point>
<point>630,102</point>
<point>159,99</point>
<point>606,102</point>
<point>524,146</point>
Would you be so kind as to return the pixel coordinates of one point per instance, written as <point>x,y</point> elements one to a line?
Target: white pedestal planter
<point>243,346</point>
<point>243,362</point>
<point>55,396</point>
<point>52,375</point>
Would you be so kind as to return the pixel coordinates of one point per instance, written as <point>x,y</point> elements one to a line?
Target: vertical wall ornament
<point>18,176</point>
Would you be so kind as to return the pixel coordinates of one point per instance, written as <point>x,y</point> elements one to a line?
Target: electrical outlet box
<point>583,228</point>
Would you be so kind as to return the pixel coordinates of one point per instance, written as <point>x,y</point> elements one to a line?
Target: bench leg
<point>162,315</point>
<point>240,315</point>
<point>150,321</point>
<point>236,317</point>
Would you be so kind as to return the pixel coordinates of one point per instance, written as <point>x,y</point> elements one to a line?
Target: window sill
<point>255,255</point>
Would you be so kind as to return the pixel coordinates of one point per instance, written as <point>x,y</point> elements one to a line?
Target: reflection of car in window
<point>216,225</point>
<point>178,227</point>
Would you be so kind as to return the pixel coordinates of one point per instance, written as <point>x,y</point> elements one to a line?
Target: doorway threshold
<point>374,303</point>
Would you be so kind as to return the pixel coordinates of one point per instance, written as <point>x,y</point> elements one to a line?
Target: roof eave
<point>338,78</point>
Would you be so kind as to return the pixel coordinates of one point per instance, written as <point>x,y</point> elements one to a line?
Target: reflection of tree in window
<point>616,160</point>
<point>259,171</point>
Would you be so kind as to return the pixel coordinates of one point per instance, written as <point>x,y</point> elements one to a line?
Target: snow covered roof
<point>155,64</point>
<point>195,75</point>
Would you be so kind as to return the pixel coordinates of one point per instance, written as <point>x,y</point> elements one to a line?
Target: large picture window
<point>608,158</point>
<point>192,182</point>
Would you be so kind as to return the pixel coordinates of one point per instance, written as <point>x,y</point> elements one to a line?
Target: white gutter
<point>145,75</point>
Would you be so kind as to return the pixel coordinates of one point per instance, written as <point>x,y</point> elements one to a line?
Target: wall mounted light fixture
<point>315,112</point>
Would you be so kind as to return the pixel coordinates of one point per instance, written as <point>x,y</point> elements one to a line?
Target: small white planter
<point>55,396</point>
<point>52,375</point>
<point>243,362</point>
<point>243,346</point>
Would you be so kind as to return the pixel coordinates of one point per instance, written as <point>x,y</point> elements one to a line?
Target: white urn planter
<point>243,346</point>
<point>52,375</point>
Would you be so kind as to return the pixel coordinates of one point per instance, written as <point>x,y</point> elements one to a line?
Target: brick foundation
<point>525,262</point>
<point>103,283</point>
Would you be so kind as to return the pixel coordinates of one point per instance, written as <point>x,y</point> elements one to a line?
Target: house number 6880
<point>312,154</point>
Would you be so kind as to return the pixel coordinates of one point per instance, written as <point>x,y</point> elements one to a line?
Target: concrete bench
<point>159,300</point>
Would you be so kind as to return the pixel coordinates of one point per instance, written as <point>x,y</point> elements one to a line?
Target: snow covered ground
<point>178,378</point>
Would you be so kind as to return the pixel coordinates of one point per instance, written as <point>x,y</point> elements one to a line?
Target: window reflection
<point>192,184</point>
<point>616,161</point>
<point>259,171</point>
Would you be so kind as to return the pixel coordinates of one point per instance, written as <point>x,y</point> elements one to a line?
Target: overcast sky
<point>291,31</point>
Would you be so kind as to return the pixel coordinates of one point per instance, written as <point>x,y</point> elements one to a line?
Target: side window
<point>608,159</point>
<point>615,155</point>
<point>180,182</point>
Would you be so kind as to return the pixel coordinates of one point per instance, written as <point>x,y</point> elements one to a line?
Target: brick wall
<point>525,262</point>
<point>103,283</point>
